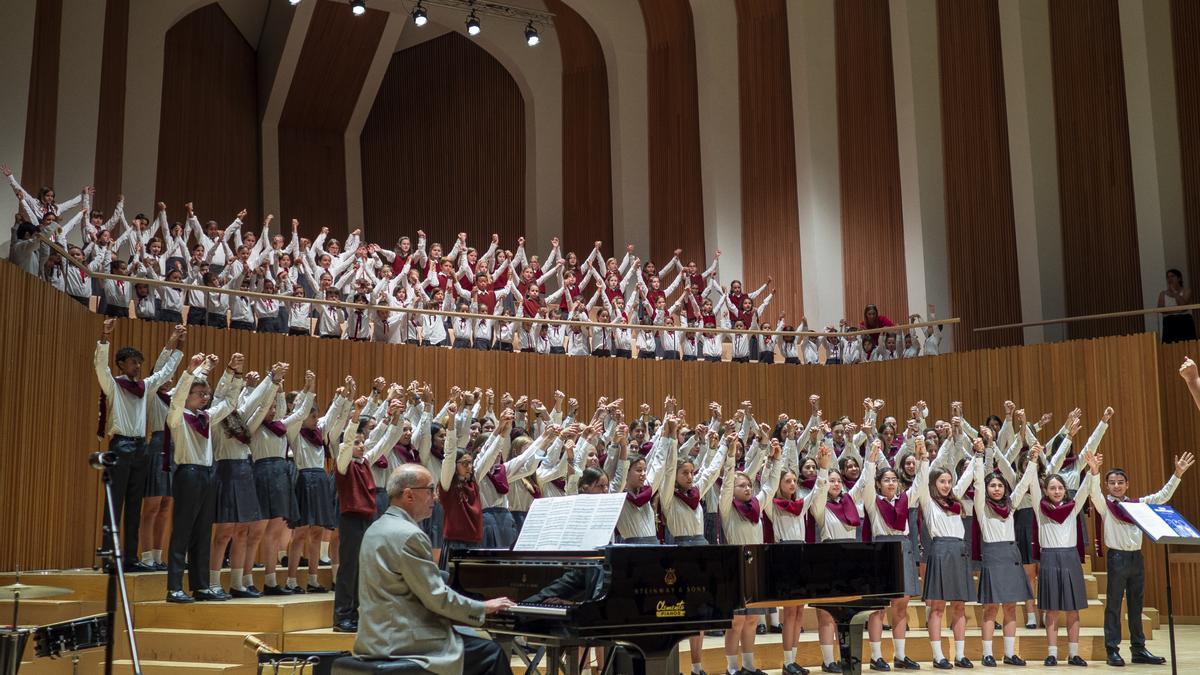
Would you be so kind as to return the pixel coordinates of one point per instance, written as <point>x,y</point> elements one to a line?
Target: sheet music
<point>572,523</point>
<point>1161,521</point>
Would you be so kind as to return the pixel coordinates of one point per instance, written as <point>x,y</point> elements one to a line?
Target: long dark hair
<point>591,476</point>
<point>934,475</point>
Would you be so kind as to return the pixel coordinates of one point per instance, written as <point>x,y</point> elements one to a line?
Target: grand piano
<point>646,599</point>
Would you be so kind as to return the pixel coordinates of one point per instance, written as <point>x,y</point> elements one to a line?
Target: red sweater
<point>356,490</point>
<point>464,513</point>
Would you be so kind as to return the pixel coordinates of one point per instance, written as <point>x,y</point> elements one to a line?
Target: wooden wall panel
<point>676,192</point>
<point>985,286</point>
<point>208,142</point>
<point>1185,40</point>
<point>1095,177</point>
<point>330,72</point>
<point>1134,374</point>
<point>770,205</point>
<point>443,149</point>
<point>872,218</point>
<point>587,159</point>
<point>110,120</point>
<point>41,118</point>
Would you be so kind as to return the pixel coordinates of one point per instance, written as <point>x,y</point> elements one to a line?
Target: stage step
<point>92,585</point>
<point>90,661</point>
<point>42,612</point>
<point>176,644</point>
<point>1092,617</point>
<point>124,666</point>
<point>267,615</point>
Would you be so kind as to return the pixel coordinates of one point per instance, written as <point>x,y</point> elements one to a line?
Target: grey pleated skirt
<point>917,534</point>
<point>498,528</point>
<point>1060,581</point>
<point>1023,526</point>
<point>433,526</point>
<point>1002,577</point>
<point>912,582</point>
<point>947,576</point>
<point>237,499</point>
<point>158,482</point>
<point>691,540</point>
<point>276,498</point>
<point>314,500</point>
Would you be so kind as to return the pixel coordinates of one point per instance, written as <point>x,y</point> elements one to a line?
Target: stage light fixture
<point>293,3</point>
<point>359,7</point>
<point>419,15</point>
<point>531,35</point>
<point>473,26</point>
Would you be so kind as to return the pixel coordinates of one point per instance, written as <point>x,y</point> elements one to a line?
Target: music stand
<point>1164,525</point>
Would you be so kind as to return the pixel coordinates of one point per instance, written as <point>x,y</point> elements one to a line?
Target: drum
<point>12,645</point>
<point>71,636</point>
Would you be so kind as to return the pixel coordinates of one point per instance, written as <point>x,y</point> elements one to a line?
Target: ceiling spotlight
<point>419,16</point>
<point>531,35</point>
<point>359,7</point>
<point>293,3</point>
<point>473,24</point>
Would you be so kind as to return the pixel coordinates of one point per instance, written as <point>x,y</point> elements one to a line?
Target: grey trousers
<point>1126,579</point>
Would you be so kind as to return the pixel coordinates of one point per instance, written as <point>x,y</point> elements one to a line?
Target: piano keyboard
<point>538,609</point>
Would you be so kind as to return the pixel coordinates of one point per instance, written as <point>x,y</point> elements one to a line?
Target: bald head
<point>411,487</point>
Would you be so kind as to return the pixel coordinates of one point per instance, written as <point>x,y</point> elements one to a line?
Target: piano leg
<point>655,655</point>
<point>850,624</point>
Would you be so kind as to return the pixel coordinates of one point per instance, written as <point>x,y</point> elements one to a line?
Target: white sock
<point>1073,649</point>
<point>291,582</point>
<point>247,579</point>
<point>748,661</point>
<point>696,669</point>
<point>1052,650</point>
<point>324,549</point>
<point>1010,646</point>
<point>157,554</point>
<point>936,646</point>
<point>826,653</point>
<point>731,664</point>
<point>789,656</point>
<point>960,649</point>
<point>876,650</point>
<point>987,647</point>
<point>898,648</point>
<point>773,618</point>
<point>214,577</point>
<point>269,579</point>
<point>147,557</point>
<point>235,582</point>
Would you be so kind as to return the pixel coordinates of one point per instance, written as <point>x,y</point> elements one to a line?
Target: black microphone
<point>99,460</point>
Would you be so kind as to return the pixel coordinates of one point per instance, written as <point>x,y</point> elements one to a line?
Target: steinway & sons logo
<point>671,587</point>
<point>669,578</point>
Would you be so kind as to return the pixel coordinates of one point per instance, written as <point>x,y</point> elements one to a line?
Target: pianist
<point>406,609</point>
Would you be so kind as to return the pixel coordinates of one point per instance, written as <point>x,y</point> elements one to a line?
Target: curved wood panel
<point>110,120</point>
<point>770,205</point>
<point>329,76</point>
<point>1095,175</point>
<point>208,141</point>
<point>676,192</point>
<point>1185,39</point>
<point>41,118</point>
<point>872,217</point>
<point>985,288</point>
<point>443,149</point>
<point>587,155</point>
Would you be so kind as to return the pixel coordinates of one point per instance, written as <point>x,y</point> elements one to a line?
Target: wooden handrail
<point>469,315</point>
<point>1093,317</point>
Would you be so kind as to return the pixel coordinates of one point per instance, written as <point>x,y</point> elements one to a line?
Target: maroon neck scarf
<point>1059,513</point>
<point>750,510</point>
<point>845,510</point>
<point>895,516</point>
<point>951,507</point>
<point>381,463</point>
<point>639,497</point>
<point>808,483</point>
<point>313,436</point>
<point>163,397</point>
<point>499,477</point>
<point>198,421</point>
<point>792,506</point>
<point>1000,509</point>
<point>691,497</point>
<point>1116,510</point>
<point>406,454</point>
<point>276,427</point>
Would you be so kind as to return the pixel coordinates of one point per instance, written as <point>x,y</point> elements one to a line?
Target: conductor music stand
<point>1164,525</point>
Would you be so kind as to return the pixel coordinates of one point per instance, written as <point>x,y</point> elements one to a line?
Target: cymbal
<point>28,592</point>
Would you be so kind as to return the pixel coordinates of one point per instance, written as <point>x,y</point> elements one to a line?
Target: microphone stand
<point>116,578</point>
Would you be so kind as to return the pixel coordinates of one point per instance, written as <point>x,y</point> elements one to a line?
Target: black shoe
<point>777,628</point>
<point>326,561</point>
<point>254,589</point>
<point>964,662</point>
<point>760,629</point>
<point>303,561</point>
<point>989,661</point>
<point>1114,658</point>
<point>714,633</point>
<point>345,626</point>
<point>244,593</point>
<point>1050,661</point>
<point>296,590</point>
<point>276,590</point>
<point>1031,624</point>
<point>887,627</point>
<point>283,561</point>
<point>138,567</point>
<point>942,665</point>
<point>906,664</point>
<point>210,595</point>
<point>795,669</point>
<point>160,567</point>
<point>180,597</point>
<point>1143,656</point>
<point>756,671</point>
<point>834,667</point>
<point>880,664</point>
<point>258,566</point>
<point>1077,660</point>
<point>1015,660</point>
<point>317,589</point>
<point>997,626</point>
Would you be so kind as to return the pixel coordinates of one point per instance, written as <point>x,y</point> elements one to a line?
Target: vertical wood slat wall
<point>676,191</point>
<point>110,118</point>
<point>330,71</point>
<point>41,118</point>
<point>770,204</point>
<point>868,148</point>
<point>49,395</point>
<point>587,196</point>
<point>209,135</point>
<point>1095,174</point>
<point>981,237</point>
<point>1185,41</point>
<point>443,149</point>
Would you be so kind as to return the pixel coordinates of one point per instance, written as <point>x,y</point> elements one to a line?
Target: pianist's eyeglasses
<point>431,488</point>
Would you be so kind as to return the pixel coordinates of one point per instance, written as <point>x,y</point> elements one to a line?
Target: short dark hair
<point>1176,272</point>
<point>1115,471</point>
<point>26,229</point>
<point>590,476</point>
<point>125,353</point>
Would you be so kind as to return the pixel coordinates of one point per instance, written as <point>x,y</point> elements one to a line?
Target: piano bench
<point>350,665</point>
